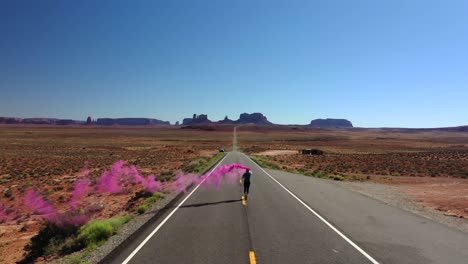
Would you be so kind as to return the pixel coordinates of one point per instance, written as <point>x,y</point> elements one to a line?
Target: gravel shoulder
<point>395,196</point>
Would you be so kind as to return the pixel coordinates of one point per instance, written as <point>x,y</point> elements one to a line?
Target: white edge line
<point>169,216</point>
<point>371,259</point>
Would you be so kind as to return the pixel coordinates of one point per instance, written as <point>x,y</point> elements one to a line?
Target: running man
<point>246,179</point>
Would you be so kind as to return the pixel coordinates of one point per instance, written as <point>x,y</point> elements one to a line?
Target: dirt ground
<point>276,152</point>
<point>448,195</point>
<point>51,159</point>
<point>430,167</point>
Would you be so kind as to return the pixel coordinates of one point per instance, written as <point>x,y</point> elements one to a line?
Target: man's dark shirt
<point>246,176</point>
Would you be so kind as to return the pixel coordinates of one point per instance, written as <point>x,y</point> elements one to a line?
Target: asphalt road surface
<point>290,218</point>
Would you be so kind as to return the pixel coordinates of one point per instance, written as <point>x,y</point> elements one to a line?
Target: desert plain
<point>429,167</point>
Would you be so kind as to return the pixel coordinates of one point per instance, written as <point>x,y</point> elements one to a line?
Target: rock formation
<point>255,118</point>
<point>226,120</point>
<point>38,121</point>
<point>130,122</point>
<point>200,119</point>
<point>64,122</point>
<point>331,123</point>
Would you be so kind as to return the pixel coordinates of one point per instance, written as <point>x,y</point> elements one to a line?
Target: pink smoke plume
<point>110,181</point>
<point>115,181</point>
<point>152,185</point>
<point>46,211</point>
<point>181,182</point>
<point>231,172</point>
<point>81,190</point>
<point>41,207</point>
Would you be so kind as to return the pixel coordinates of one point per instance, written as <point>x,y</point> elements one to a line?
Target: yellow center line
<point>252,257</point>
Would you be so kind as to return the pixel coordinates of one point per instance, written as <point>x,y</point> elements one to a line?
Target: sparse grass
<point>320,175</point>
<point>355,178</point>
<point>264,163</point>
<point>7,193</point>
<point>75,259</point>
<point>51,240</point>
<point>269,165</point>
<point>142,209</point>
<point>155,197</point>
<point>149,202</point>
<point>337,177</point>
<point>96,232</point>
<point>201,165</point>
<point>364,152</point>
<point>29,160</point>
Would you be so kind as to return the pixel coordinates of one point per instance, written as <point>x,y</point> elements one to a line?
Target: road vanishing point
<point>289,218</point>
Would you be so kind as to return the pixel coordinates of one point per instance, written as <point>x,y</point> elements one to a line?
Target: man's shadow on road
<point>213,203</point>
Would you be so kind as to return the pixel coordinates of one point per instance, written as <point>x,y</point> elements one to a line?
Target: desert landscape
<point>431,167</point>
<point>52,159</point>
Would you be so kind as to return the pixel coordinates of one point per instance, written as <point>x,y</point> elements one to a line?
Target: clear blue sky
<point>396,63</point>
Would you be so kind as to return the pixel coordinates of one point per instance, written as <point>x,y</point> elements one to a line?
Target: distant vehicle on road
<point>311,152</point>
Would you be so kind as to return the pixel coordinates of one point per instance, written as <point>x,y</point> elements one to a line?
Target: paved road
<point>291,219</point>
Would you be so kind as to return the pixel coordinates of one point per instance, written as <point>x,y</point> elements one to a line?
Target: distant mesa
<point>130,122</point>
<point>331,123</point>
<point>89,121</point>
<point>226,120</point>
<point>196,119</point>
<point>202,122</point>
<point>39,121</point>
<point>255,118</point>
<point>10,120</point>
<point>65,122</point>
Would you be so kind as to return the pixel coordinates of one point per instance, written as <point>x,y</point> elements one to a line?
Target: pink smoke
<point>231,173</point>
<point>152,185</point>
<point>46,211</point>
<point>181,182</point>
<point>41,207</point>
<point>115,181</point>
<point>81,190</point>
<point>110,181</point>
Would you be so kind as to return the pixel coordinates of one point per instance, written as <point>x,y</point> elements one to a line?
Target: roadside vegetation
<point>264,163</point>
<point>149,202</point>
<point>364,166</point>
<point>28,160</point>
<point>202,164</point>
<point>54,240</point>
<point>97,232</point>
